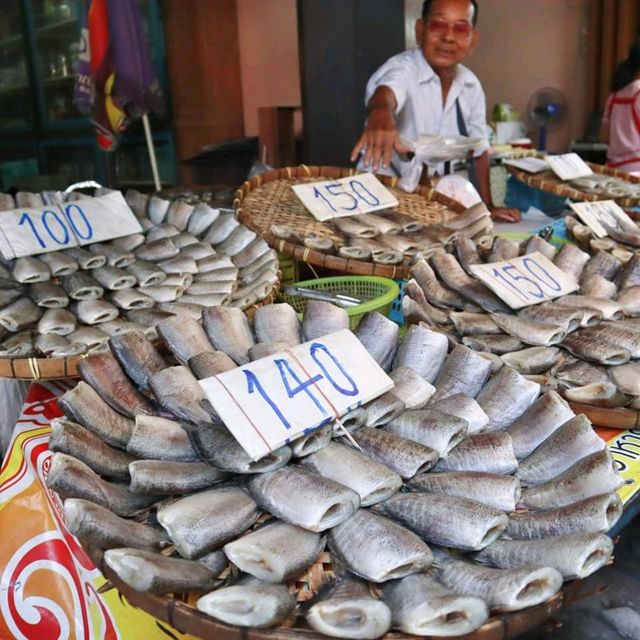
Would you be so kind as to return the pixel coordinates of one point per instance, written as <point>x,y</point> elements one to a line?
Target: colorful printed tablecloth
<point>49,587</point>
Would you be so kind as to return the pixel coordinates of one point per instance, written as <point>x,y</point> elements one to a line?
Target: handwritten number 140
<point>338,378</point>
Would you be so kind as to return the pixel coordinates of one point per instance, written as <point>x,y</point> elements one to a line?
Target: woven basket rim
<point>318,258</point>
<point>549,183</point>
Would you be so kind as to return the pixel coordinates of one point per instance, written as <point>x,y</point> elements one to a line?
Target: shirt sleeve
<point>393,74</point>
<point>476,120</point>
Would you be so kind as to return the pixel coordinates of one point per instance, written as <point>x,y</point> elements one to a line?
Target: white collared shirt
<point>420,111</point>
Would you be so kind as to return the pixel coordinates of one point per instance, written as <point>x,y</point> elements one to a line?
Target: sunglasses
<point>441,27</point>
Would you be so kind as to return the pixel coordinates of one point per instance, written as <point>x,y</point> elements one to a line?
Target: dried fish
<point>574,556</point>
<point>530,331</point>
<point>113,278</point>
<point>58,321</point>
<point>146,273</point>
<point>94,311</point>
<point>411,388</point>
<point>169,477</point>
<point>228,330</point>
<point>71,438</point>
<point>547,414</point>
<point>156,250</point>
<point>592,475</point>
<point>603,394</point>
<point>383,409</point>
<point>491,452</point>
<point>303,498</point>
<point>593,515</point>
<point>29,269</point>
<point>373,481</point>
<point>81,286</point>
<point>446,520</point>
<point>137,356</point>
<point>158,438</point>
<point>406,457</point>
<point>103,529</point>
<point>249,605</point>
<point>495,490</point>
<point>152,572</point>
<point>85,259</point>
<point>422,350</point>
<point>206,520</point>
<point>465,407</point>
<point>532,360</point>
<point>464,371</point>
<point>379,336</point>
<point>276,552</point>
<point>84,405</point>
<point>184,337</point>
<point>503,589</point>
<point>423,606</point>
<point>19,315</point>
<point>377,548</point>
<point>71,478</point>
<point>48,295</point>
<point>321,318</point>
<point>345,609</point>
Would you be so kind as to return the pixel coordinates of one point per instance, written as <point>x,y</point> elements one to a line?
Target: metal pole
<point>152,152</point>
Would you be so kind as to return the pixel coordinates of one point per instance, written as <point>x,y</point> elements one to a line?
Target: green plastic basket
<point>379,294</point>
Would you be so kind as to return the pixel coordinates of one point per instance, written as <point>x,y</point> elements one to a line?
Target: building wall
<point>269,65</point>
<point>526,45</point>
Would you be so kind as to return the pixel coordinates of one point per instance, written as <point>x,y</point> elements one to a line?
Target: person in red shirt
<point>621,119</point>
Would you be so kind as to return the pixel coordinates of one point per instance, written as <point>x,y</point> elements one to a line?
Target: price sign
<point>593,214</point>
<point>269,402</point>
<point>102,218</point>
<point>362,193</point>
<point>530,165</point>
<point>568,166</point>
<point>27,232</point>
<point>526,280</point>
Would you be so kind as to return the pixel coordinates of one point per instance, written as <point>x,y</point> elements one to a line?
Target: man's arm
<point>380,135</point>
<point>501,214</point>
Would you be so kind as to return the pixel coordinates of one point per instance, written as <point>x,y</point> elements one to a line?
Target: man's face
<point>446,35</point>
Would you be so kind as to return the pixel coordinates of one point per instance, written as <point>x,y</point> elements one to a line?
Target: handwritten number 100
<point>358,191</point>
<point>293,385</point>
<point>55,226</point>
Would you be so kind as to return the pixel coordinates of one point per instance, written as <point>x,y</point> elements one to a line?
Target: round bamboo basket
<point>550,182</point>
<point>267,199</point>
<point>182,614</point>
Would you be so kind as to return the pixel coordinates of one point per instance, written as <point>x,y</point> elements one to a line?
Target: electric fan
<point>547,110</point>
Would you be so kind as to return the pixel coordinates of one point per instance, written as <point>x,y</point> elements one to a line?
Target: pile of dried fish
<point>585,345</point>
<point>67,303</point>
<point>622,241</point>
<point>390,237</point>
<point>144,465</point>
<point>607,186</point>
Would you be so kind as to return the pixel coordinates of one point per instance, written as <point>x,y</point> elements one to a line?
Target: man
<point>427,91</point>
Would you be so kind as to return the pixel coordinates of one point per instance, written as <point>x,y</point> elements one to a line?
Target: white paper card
<point>530,165</point>
<point>594,213</point>
<point>102,218</point>
<point>568,166</point>
<point>27,232</point>
<point>32,231</point>
<point>270,402</point>
<point>343,197</point>
<point>526,280</point>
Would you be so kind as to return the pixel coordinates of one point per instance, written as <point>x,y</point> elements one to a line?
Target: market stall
<point>340,440</point>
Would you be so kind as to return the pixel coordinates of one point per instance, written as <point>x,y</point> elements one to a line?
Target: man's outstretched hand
<point>504,214</point>
<point>378,140</point>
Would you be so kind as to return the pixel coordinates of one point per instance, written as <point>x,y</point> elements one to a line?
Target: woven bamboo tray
<point>181,613</point>
<point>549,181</point>
<point>614,418</point>
<point>268,199</point>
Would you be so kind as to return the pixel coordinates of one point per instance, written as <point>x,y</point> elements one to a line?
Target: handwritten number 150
<point>356,192</point>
